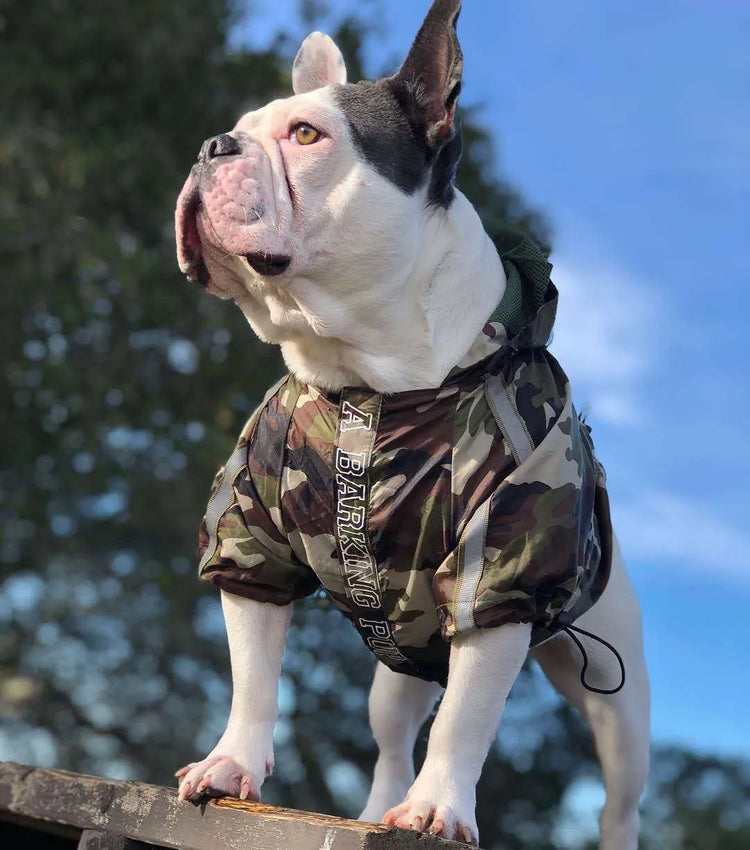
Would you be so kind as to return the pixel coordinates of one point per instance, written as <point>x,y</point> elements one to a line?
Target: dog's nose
<point>223,145</point>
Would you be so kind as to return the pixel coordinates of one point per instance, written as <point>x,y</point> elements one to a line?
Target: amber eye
<point>305,134</point>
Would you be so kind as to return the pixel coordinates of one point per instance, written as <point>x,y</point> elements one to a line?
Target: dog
<point>421,461</point>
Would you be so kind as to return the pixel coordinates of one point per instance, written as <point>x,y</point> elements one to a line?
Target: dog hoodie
<point>428,513</point>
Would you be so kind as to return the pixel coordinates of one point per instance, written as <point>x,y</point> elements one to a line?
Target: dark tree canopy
<point>124,387</point>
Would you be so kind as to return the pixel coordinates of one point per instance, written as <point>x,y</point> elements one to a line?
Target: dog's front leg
<point>483,666</point>
<point>239,763</point>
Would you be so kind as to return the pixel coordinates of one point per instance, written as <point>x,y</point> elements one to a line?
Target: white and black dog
<point>331,219</point>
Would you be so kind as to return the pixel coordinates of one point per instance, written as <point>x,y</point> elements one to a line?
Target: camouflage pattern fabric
<point>422,514</point>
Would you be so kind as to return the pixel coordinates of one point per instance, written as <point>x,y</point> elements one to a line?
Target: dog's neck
<point>403,333</point>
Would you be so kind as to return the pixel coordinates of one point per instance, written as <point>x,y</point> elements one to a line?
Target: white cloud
<point>659,526</point>
<point>602,337</point>
<point>609,334</point>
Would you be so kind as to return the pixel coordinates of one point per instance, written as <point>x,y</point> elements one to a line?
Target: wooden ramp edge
<point>105,813</point>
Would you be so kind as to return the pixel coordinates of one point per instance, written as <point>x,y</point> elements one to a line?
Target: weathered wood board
<point>153,815</point>
<point>92,840</point>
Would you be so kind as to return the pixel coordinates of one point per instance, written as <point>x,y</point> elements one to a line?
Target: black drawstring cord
<point>569,630</point>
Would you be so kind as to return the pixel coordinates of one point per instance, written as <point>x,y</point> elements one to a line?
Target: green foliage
<point>697,803</point>
<point>125,384</point>
<point>124,387</point>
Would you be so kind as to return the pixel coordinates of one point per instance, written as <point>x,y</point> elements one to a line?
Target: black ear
<point>428,84</point>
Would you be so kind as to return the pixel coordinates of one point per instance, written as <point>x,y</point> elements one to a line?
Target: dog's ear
<point>318,63</point>
<point>429,81</point>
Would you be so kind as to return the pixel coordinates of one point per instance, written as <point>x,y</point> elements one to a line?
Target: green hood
<point>528,307</point>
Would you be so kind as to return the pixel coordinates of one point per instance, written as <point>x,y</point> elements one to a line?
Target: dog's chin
<point>268,265</point>
<point>229,275</point>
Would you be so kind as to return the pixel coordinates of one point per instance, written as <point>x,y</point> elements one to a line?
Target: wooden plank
<point>153,814</point>
<point>93,840</point>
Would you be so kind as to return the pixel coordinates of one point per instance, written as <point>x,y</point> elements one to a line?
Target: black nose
<point>223,145</point>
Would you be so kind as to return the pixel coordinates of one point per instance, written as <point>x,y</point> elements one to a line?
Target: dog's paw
<point>435,818</point>
<point>218,776</point>
<point>236,767</point>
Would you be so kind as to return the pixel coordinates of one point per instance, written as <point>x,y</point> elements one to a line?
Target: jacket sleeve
<point>241,548</point>
<point>532,549</point>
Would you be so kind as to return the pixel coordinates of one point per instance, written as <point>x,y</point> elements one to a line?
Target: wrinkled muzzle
<point>232,205</point>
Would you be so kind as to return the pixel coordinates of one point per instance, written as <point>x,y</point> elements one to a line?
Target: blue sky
<point>629,124</point>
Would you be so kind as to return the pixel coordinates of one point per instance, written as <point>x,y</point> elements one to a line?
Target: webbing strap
<point>359,414</point>
<point>470,567</point>
<point>508,418</point>
<point>470,554</point>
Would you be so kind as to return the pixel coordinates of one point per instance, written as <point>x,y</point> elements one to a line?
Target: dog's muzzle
<point>229,207</point>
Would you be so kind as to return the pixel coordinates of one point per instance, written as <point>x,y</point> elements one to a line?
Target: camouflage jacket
<point>422,514</point>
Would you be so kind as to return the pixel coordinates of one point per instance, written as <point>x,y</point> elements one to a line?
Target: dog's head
<point>325,188</point>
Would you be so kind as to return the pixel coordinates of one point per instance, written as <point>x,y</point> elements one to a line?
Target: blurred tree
<point>697,803</point>
<point>123,388</point>
<point>123,383</point>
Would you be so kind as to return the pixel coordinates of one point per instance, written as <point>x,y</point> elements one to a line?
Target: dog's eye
<point>305,134</point>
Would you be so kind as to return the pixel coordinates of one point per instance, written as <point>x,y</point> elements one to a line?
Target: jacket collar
<point>525,316</point>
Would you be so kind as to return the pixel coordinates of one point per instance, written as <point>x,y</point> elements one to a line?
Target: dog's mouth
<point>268,265</point>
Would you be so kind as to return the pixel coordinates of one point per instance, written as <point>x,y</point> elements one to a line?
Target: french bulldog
<point>332,220</point>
